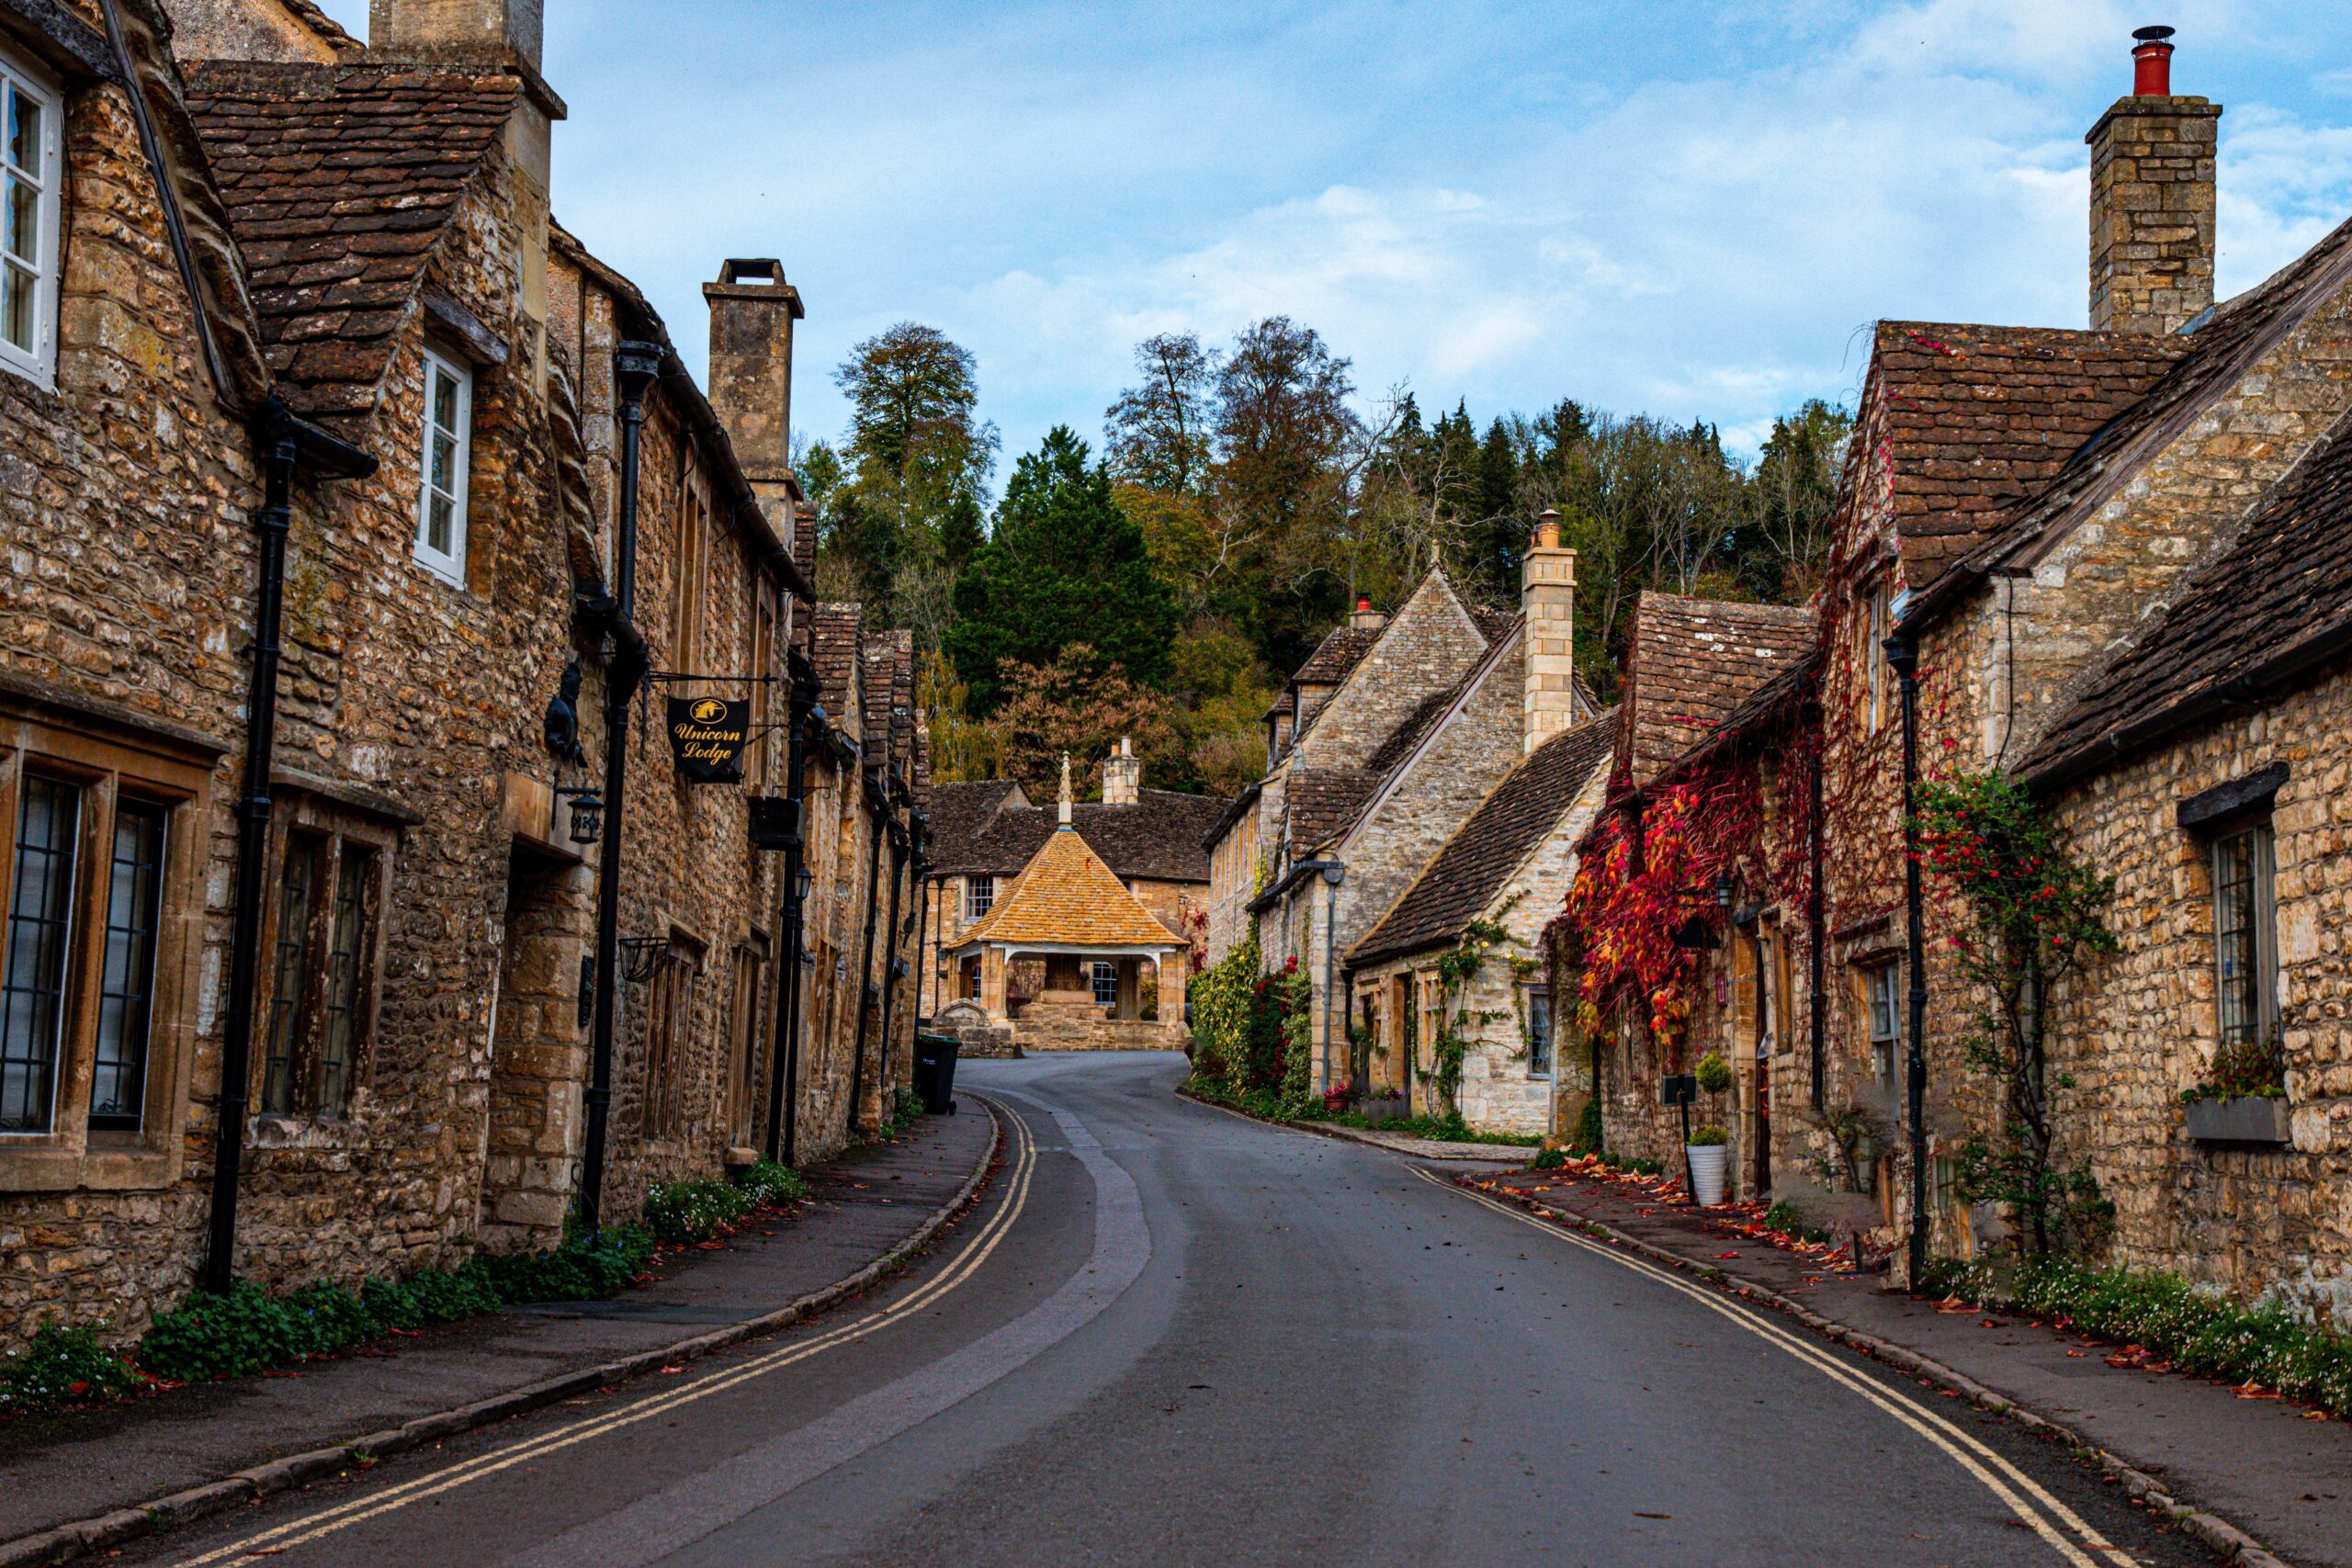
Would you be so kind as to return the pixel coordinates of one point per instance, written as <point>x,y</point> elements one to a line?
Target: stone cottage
<point>1393,732</point>
<point>1496,883</point>
<point>314,396</point>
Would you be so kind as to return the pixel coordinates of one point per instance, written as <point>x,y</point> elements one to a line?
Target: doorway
<point>538,1065</point>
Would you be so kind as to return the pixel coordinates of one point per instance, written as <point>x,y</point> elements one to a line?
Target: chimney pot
<point>2151,63</point>
<point>1547,530</point>
<point>1366,618</point>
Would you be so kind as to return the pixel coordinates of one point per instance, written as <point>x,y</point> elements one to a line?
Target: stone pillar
<point>2152,203</point>
<point>1547,595</point>
<point>1122,775</point>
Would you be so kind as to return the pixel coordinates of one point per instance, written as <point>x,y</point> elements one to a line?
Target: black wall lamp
<point>587,811</point>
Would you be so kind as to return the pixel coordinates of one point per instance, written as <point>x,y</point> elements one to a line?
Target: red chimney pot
<point>2151,63</point>
<point>1363,601</point>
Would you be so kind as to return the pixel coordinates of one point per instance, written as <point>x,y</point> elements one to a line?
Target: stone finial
<point>1065,789</point>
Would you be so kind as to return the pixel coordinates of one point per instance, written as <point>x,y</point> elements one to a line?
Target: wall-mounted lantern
<point>587,811</point>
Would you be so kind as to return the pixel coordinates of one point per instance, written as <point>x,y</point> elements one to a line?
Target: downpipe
<point>784,1060</point>
<point>1902,653</point>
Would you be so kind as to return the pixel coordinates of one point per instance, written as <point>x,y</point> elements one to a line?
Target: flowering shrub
<point>64,1364</point>
<point>683,1212</point>
<point>2031,916</point>
<point>1624,908</point>
<point>1252,1033</point>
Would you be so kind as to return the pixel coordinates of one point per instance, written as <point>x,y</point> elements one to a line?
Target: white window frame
<point>1097,974</point>
<point>1886,1034</point>
<point>19,75</point>
<point>451,566</point>
<point>1538,1062</point>
<point>978,902</point>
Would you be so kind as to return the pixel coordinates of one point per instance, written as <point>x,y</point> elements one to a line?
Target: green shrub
<point>232,1336</point>
<point>770,1185</point>
<point>1589,1136</point>
<point>1789,1219</point>
<point>574,1271</point>
<point>59,1365</point>
<point>906,1110</point>
<point>1548,1159</point>
<point>323,1318</point>
<point>1708,1138</point>
<point>1714,1073</point>
<point>684,1212</point>
<point>2196,1330</point>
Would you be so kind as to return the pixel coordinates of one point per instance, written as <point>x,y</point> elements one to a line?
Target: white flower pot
<point>1707,1162</point>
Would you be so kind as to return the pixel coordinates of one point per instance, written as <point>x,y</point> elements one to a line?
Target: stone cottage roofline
<point>2258,617</point>
<point>1394,758</point>
<point>1694,662</point>
<point>1466,876</point>
<point>1066,897</point>
<point>2210,359</point>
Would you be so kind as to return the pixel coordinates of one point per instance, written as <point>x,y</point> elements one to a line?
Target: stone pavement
<point>80,1464</point>
<point>1425,1148</point>
<point>2263,1465</point>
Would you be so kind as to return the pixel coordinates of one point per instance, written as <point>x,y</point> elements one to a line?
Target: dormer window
<point>31,159</point>
<point>447,441</point>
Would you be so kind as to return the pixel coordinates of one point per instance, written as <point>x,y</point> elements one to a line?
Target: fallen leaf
<point>1639,1515</point>
<point>669,1371</point>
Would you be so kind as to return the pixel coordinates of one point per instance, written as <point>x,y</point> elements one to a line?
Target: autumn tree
<point>1079,703</point>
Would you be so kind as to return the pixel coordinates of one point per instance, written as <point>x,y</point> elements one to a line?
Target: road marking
<point>302,1532</point>
<point>1962,1445</point>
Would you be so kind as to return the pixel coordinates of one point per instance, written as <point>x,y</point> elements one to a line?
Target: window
<point>979,896</point>
<point>1432,1010</point>
<point>321,984</point>
<point>1106,984</point>
<point>41,923</point>
<point>2246,935</point>
<point>972,977</point>
<point>1539,1032</point>
<point>690,584</point>
<point>1879,987</point>
<point>31,171</point>
<point>441,486</point>
<point>96,977</point>
<point>669,1023</point>
<point>1874,657</point>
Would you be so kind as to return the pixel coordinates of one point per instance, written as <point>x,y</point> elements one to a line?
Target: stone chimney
<point>1122,775</point>
<point>2151,200</point>
<point>501,36</point>
<point>751,313</point>
<point>1547,597</point>
<point>1366,618</point>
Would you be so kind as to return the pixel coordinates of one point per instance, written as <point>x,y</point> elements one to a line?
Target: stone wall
<point>2140,1028</point>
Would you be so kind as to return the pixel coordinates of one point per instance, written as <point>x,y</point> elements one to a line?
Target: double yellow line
<point>2004,1479</point>
<point>300,1532</point>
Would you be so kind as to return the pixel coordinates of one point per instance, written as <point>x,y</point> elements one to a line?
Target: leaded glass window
<point>32,981</point>
<point>126,991</point>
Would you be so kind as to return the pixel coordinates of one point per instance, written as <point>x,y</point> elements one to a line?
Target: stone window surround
<point>1539,1063</point>
<point>2255,833</point>
<point>1869,971</point>
<point>320,809</point>
<point>109,751</point>
<point>21,73</point>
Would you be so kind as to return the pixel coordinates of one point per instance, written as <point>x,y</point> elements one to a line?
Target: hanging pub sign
<point>707,734</point>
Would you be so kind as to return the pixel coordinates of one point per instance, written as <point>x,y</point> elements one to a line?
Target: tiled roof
<point>1336,655</point>
<point>1066,895</point>
<point>881,662</point>
<point>1494,624</point>
<point>2205,365</point>
<point>1466,874</point>
<point>1976,418</point>
<point>1694,661</point>
<point>339,180</point>
<point>1160,838</point>
<point>834,632</point>
<point>2266,609</point>
<point>1322,801</point>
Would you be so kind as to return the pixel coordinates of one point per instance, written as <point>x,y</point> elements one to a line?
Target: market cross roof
<point>991,827</point>
<point>1068,897</point>
<point>1465,875</point>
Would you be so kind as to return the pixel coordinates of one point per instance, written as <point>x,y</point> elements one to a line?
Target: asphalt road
<point>1171,1335</point>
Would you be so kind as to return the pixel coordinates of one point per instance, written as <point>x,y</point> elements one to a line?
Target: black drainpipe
<point>902,856</point>
<point>635,366</point>
<point>1904,654</point>
<point>1816,917</point>
<point>880,808</point>
<point>784,1065</point>
<point>285,442</point>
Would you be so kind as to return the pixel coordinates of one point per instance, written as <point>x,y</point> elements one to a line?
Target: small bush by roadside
<point>63,1365</point>
<point>2170,1319</point>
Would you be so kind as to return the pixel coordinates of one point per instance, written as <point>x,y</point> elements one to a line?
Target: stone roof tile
<point>1067,895</point>
<point>339,180</point>
<point>1693,663</point>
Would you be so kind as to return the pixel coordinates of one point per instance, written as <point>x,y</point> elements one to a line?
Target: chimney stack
<point>2151,200</point>
<point>500,35</point>
<point>751,313</point>
<point>1122,775</point>
<point>1547,599</point>
<point>1366,618</point>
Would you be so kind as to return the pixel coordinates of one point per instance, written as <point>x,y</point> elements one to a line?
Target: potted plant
<point>1707,1152</point>
<point>2243,1099</point>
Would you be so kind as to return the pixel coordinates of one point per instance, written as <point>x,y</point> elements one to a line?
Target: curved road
<point>1171,1335</point>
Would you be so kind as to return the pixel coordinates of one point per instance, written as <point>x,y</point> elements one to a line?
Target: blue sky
<point>1685,209</point>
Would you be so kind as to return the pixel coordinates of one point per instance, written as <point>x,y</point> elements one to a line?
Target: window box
<point>2249,1119</point>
